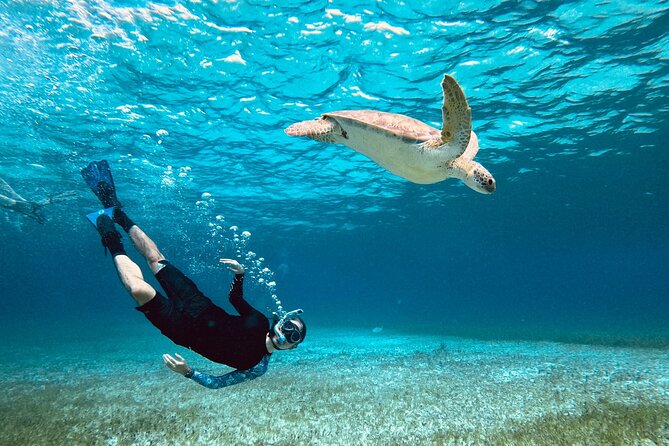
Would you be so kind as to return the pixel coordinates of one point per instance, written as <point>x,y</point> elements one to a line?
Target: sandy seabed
<point>111,388</point>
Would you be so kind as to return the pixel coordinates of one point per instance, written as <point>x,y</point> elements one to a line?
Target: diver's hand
<point>233,266</point>
<point>177,364</point>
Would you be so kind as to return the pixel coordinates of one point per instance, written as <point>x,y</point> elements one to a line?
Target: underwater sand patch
<point>370,389</point>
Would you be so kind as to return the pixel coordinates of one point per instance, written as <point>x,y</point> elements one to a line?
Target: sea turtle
<point>407,147</point>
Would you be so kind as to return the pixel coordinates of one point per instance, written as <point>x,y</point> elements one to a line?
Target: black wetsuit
<point>191,319</point>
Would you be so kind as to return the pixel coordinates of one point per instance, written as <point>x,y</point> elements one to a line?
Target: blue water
<point>569,101</point>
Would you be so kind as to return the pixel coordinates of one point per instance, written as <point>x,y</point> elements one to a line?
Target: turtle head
<point>479,179</point>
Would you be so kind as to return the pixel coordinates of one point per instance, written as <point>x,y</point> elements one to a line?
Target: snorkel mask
<point>286,330</point>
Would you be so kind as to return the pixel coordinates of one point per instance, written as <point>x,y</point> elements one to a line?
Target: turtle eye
<point>490,181</point>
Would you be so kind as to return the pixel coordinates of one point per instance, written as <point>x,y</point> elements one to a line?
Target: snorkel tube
<point>286,317</point>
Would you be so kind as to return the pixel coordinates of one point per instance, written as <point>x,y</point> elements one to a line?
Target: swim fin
<point>99,178</point>
<point>93,216</point>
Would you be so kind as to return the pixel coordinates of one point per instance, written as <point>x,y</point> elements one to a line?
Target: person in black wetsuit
<point>185,315</point>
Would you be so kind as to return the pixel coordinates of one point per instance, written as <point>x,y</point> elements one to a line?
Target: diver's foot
<point>110,237</point>
<point>122,219</point>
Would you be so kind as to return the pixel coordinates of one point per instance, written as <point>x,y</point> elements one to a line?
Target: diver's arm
<point>237,296</point>
<point>229,379</point>
<point>237,289</point>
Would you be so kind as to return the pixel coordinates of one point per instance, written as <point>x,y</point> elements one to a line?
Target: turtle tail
<point>321,129</point>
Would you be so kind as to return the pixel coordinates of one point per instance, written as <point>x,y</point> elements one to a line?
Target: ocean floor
<point>342,387</point>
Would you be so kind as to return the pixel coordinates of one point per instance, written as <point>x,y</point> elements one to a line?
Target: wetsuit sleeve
<point>237,296</point>
<point>232,378</point>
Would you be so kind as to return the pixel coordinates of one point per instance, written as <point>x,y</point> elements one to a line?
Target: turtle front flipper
<point>457,118</point>
<point>320,129</point>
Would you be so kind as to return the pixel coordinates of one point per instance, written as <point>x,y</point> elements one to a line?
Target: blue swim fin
<point>93,216</point>
<point>99,178</point>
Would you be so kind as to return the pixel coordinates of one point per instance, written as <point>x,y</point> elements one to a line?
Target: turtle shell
<point>402,127</point>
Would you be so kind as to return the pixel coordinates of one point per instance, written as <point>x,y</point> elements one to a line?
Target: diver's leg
<point>160,311</point>
<point>133,280</point>
<point>128,271</point>
<point>147,248</point>
<point>144,245</point>
<point>183,295</point>
<point>182,292</point>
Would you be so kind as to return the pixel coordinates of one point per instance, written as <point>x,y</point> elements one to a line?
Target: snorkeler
<point>186,316</point>
<point>32,209</point>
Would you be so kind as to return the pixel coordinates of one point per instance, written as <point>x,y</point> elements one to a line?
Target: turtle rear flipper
<point>321,129</point>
